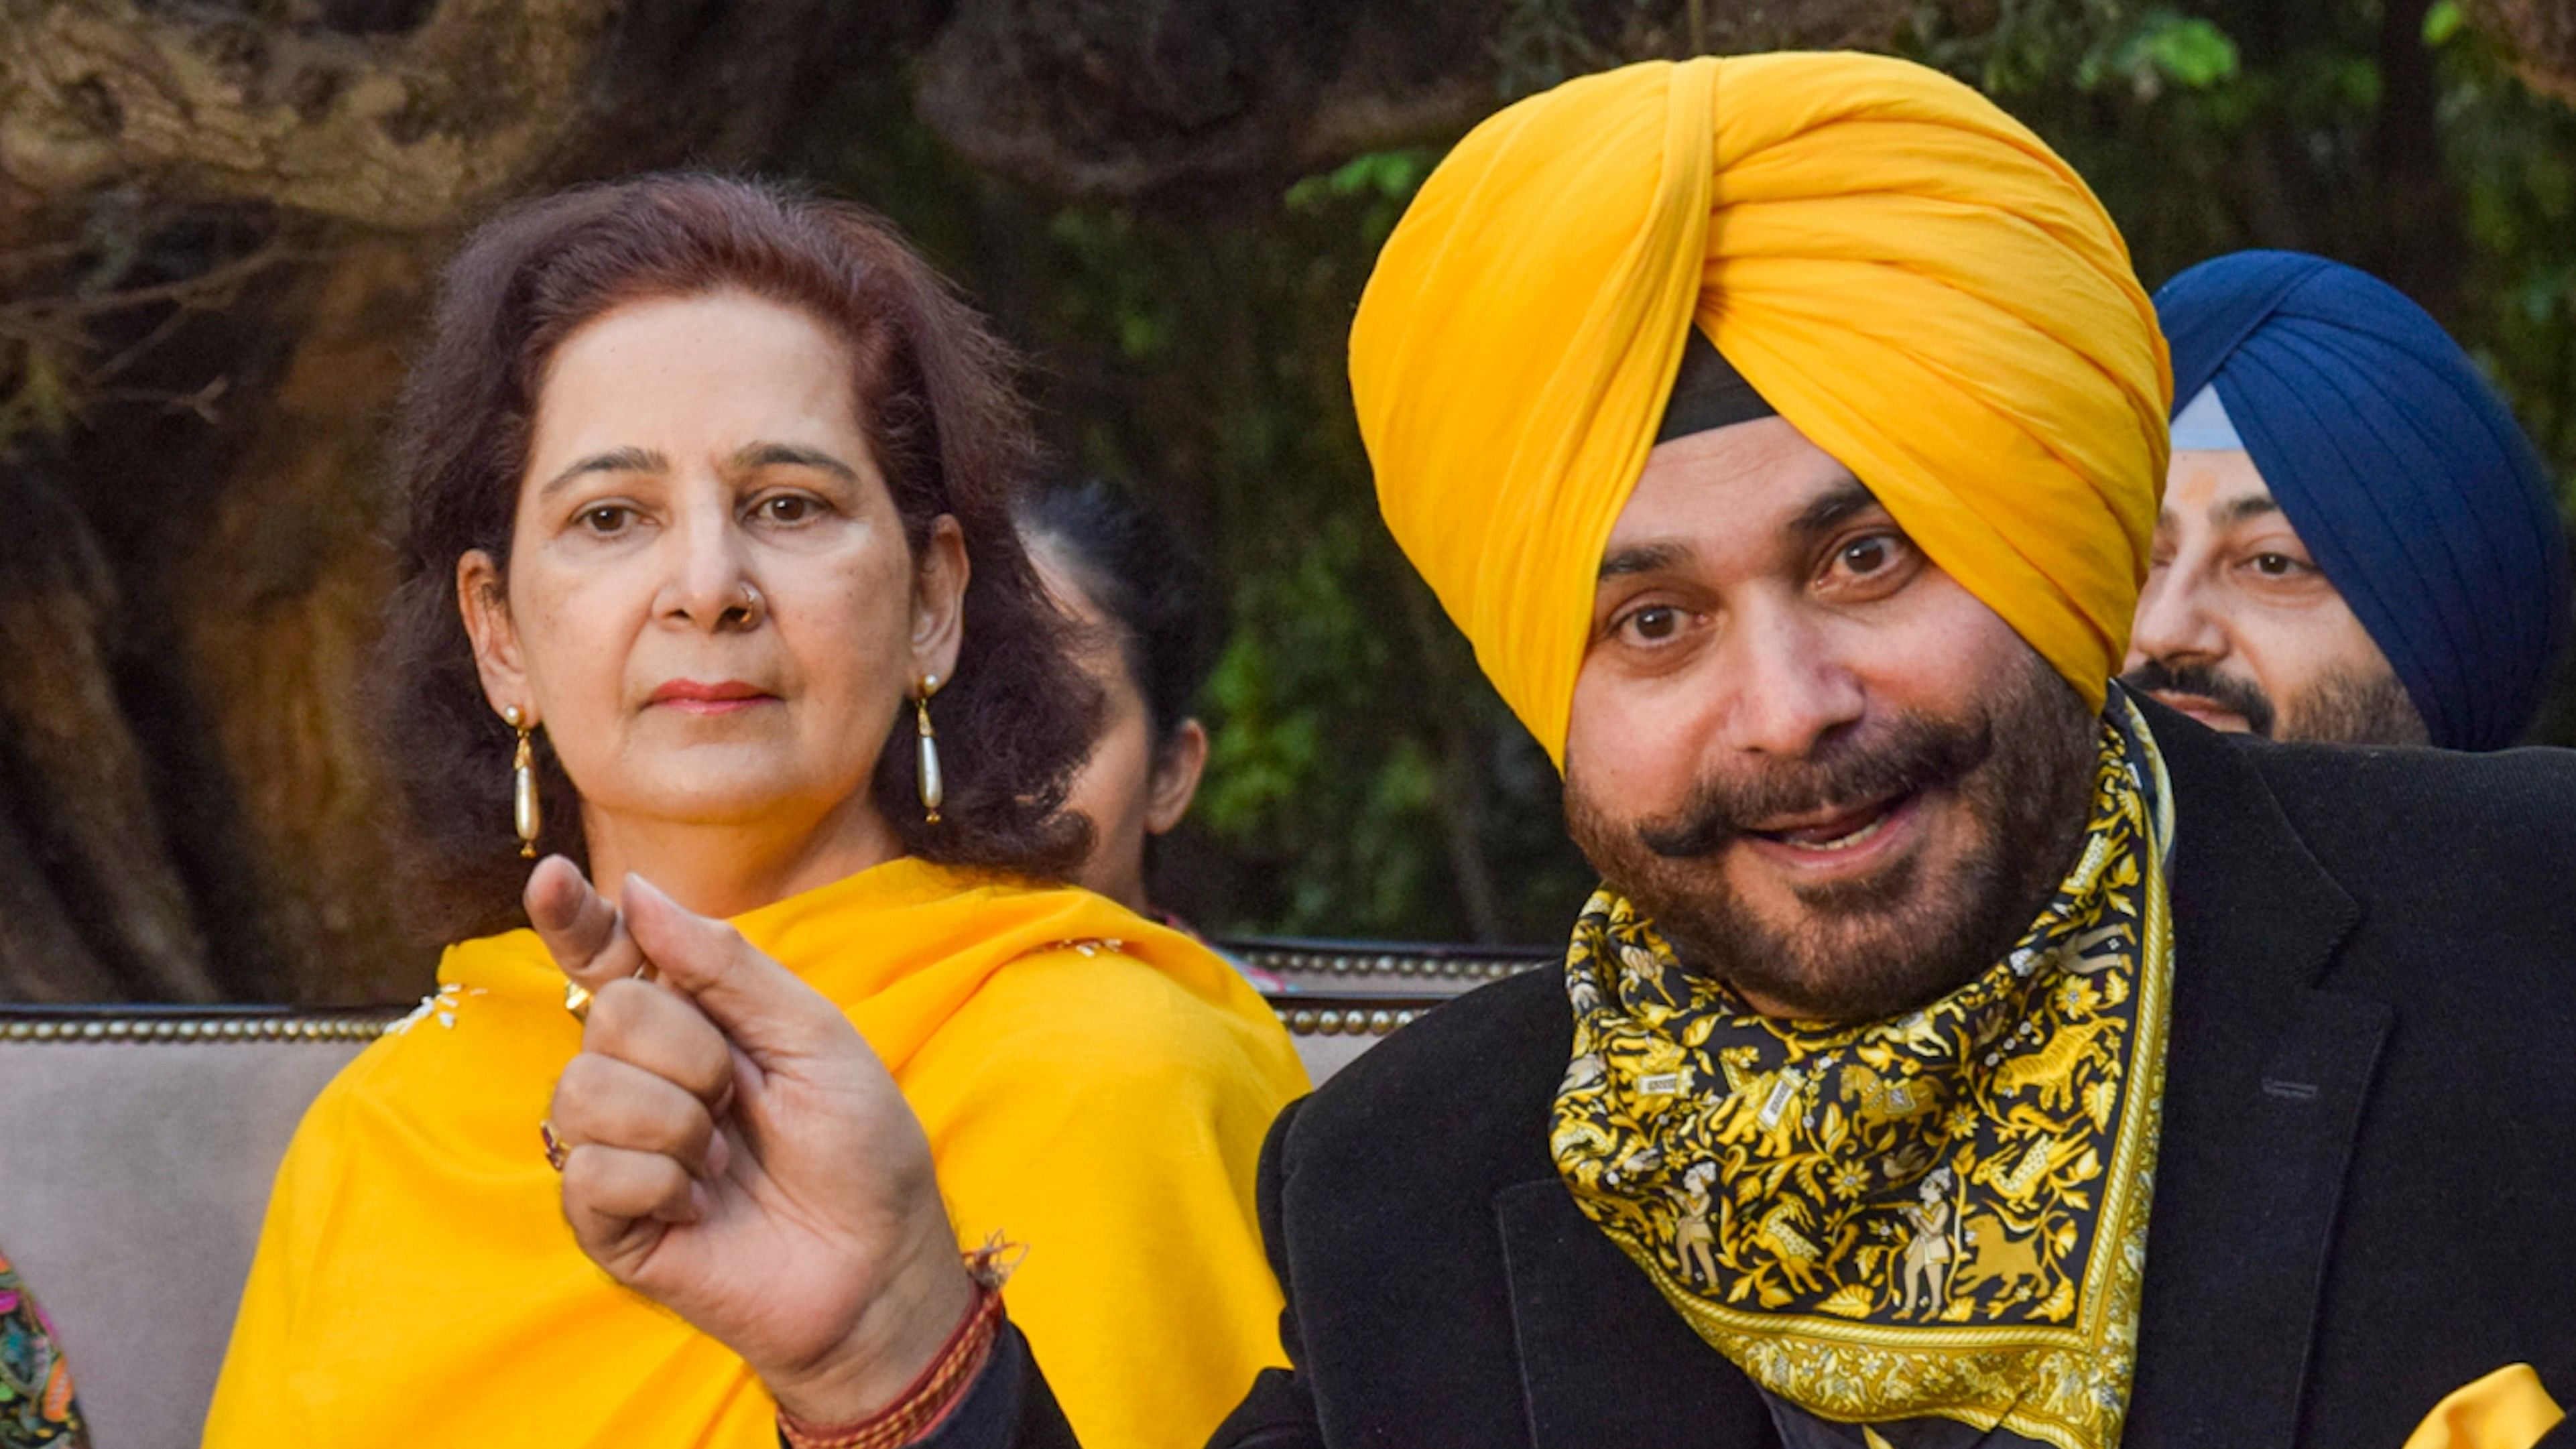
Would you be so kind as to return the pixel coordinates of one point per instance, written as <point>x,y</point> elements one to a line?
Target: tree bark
<point>2422,244</point>
<point>1172,99</point>
<point>278,607</point>
<point>43,955</point>
<point>401,131</point>
<point>77,780</point>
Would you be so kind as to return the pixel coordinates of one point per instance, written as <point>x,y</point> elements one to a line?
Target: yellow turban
<point>1913,279</point>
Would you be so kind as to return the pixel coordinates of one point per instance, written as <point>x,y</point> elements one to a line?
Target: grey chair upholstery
<point>134,1166</point>
<point>139,1145</point>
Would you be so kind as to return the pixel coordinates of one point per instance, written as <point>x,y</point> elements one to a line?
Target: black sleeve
<point>1011,1407</point>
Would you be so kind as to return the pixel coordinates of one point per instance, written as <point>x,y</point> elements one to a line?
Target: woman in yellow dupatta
<point>704,501</point>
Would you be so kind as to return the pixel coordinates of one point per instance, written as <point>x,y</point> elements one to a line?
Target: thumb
<point>753,1000</point>
<point>580,929</point>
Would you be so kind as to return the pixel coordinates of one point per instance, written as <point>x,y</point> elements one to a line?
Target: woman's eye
<point>606,518</point>
<point>787,508</point>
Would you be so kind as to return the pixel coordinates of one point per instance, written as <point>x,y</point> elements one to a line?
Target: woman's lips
<point>693,697</point>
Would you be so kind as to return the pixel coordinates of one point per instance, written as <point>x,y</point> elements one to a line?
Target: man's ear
<point>1175,780</point>
<point>939,601</point>
<point>485,606</point>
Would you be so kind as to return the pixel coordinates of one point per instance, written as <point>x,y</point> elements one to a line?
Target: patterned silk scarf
<point>1926,1231</point>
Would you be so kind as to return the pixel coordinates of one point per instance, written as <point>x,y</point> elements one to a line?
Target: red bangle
<point>941,1384</point>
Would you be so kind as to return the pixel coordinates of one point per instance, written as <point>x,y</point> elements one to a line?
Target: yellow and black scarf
<point>1937,1218</point>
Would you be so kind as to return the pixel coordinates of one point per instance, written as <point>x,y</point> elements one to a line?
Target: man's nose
<point>2175,623</point>
<point>1791,689</point>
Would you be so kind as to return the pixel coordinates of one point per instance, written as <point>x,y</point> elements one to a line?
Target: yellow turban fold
<point>1913,279</point>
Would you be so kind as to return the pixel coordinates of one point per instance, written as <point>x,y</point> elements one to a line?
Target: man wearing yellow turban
<point>1958,1051</point>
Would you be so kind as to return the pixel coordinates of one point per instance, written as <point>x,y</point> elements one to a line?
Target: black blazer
<point>2365,1199</point>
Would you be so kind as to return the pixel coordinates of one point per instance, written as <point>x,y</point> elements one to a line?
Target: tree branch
<point>1153,97</point>
<point>401,132</point>
<point>79,770</point>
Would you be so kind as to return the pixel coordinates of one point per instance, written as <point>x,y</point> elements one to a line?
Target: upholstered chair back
<point>138,1145</point>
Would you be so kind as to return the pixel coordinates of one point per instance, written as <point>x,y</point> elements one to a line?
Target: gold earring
<point>933,787</point>
<point>525,813</point>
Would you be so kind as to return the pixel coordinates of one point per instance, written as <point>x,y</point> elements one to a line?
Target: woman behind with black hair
<point>1149,638</point>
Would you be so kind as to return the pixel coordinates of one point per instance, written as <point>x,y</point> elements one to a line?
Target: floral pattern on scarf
<point>37,1406</point>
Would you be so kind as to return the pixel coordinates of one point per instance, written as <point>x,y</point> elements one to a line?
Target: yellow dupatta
<point>1093,1085</point>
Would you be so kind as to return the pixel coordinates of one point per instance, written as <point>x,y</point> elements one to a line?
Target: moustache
<point>2242,697</point>
<point>1917,753</point>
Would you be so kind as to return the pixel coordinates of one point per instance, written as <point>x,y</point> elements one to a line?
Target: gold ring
<point>556,1148</point>
<point>577,1000</point>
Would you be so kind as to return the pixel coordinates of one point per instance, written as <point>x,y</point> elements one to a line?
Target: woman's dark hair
<point>933,397</point>
<point>1148,583</point>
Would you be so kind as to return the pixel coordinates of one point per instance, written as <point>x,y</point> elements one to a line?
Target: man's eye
<point>1655,623</point>
<point>1868,555</point>
<point>2275,565</point>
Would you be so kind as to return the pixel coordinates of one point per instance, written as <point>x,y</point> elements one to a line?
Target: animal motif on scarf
<point>1942,1215</point>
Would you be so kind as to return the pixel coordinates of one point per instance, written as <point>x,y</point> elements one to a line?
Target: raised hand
<point>738,1154</point>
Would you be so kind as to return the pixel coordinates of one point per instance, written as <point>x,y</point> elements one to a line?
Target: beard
<point>2017,773</point>
<point>2346,706</point>
<point>2350,707</point>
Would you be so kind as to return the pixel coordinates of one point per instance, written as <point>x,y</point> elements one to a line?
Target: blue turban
<point>2401,469</point>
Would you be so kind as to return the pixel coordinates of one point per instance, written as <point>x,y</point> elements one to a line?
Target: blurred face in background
<point>2240,629</point>
<point>1132,788</point>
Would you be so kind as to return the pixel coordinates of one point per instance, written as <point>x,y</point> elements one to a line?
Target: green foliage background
<point>1365,780</point>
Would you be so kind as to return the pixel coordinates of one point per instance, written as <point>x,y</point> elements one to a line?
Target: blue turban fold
<point>2401,469</point>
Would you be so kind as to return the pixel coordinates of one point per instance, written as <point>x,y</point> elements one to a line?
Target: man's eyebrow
<point>790,455</point>
<point>1645,558</point>
<point>615,460</point>
<point>2239,509</point>
<point>1830,508</point>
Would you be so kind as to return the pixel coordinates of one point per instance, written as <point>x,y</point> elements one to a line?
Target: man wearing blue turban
<point>2357,542</point>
